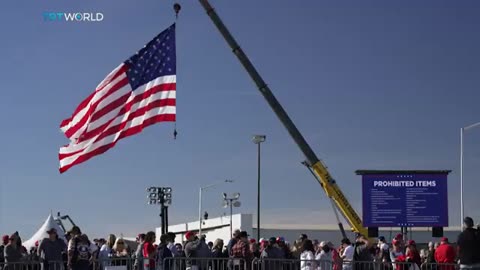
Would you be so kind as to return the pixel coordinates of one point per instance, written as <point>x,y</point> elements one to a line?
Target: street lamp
<point>462,130</point>
<point>162,196</point>
<point>258,139</point>
<point>200,203</point>
<point>232,202</point>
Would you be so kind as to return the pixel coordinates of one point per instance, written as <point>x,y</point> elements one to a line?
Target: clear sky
<point>370,84</point>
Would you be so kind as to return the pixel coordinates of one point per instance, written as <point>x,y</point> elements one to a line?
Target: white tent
<point>42,232</point>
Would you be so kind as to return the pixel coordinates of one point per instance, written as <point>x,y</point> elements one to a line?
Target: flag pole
<point>176,8</point>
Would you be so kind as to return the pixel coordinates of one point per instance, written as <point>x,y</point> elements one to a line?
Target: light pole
<point>162,196</point>
<point>232,202</point>
<point>462,130</point>
<point>200,203</point>
<point>258,139</point>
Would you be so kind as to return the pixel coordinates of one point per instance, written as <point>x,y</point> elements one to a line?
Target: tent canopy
<point>42,232</point>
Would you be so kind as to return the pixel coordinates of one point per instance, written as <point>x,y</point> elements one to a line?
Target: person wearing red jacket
<point>412,254</point>
<point>445,254</point>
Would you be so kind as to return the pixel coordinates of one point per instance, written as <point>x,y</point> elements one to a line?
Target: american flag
<point>138,93</point>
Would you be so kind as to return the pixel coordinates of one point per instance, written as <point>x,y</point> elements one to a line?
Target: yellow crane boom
<point>323,176</point>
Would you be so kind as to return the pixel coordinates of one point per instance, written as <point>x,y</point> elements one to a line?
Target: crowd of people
<point>79,253</point>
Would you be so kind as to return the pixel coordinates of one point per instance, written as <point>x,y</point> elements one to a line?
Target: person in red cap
<point>399,239</point>
<point>396,255</point>
<point>413,255</point>
<point>5,239</point>
<point>191,248</point>
<point>445,254</point>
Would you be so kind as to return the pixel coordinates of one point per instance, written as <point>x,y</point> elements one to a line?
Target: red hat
<point>399,236</point>
<point>189,234</point>
<point>36,243</point>
<point>5,239</point>
<point>444,239</point>
<point>252,241</point>
<point>411,243</point>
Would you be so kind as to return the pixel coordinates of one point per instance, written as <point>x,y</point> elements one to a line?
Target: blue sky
<point>370,84</point>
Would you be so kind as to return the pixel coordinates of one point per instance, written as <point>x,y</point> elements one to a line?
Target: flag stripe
<point>136,96</point>
<point>70,150</point>
<point>119,71</point>
<point>129,132</point>
<point>118,121</point>
<point>160,88</point>
<point>138,123</point>
<point>129,108</point>
<point>83,117</point>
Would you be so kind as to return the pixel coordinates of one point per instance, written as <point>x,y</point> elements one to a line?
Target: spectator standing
<point>430,262</point>
<point>164,253</point>
<point>468,246</point>
<point>51,251</point>
<point>203,252</point>
<point>286,253</point>
<point>106,251</point>
<point>5,240</point>
<point>218,254</point>
<point>396,254</point>
<point>171,244</point>
<point>307,259</point>
<point>149,252</point>
<point>233,241</point>
<point>120,252</point>
<point>12,253</point>
<point>241,252</point>
<point>413,255</point>
<point>445,255</point>
<point>270,252</point>
<point>80,251</point>
<point>362,257</point>
<point>324,257</point>
<point>255,249</point>
<point>181,252</point>
<point>138,265</point>
<point>191,249</point>
<point>347,254</point>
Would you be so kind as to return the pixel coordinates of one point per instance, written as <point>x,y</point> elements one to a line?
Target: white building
<point>220,228</point>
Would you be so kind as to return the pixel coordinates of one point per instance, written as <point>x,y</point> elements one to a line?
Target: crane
<point>316,166</point>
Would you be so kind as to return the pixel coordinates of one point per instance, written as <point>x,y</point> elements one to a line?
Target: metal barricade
<point>439,266</point>
<point>114,263</point>
<point>183,263</point>
<point>291,264</point>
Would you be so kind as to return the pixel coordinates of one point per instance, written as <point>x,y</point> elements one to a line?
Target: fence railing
<point>178,263</point>
<point>183,263</point>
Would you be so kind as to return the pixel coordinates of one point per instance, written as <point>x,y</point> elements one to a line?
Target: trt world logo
<point>72,17</point>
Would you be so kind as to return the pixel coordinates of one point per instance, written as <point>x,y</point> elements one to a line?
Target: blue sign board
<point>405,200</point>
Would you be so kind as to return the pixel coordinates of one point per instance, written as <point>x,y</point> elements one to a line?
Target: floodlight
<point>258,139</point>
